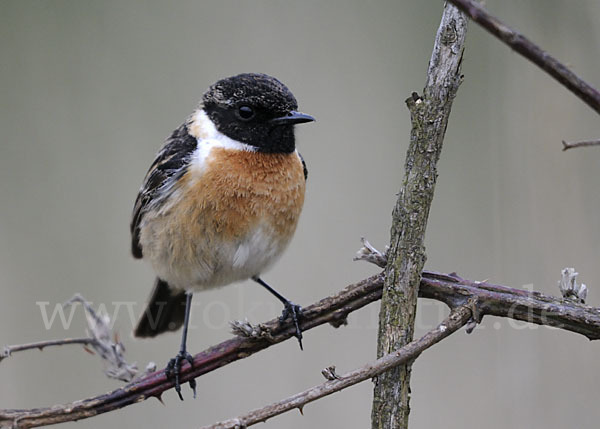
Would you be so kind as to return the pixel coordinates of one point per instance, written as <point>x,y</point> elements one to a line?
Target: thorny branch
<point>501,301</point>
<point>488,299</point>
<point>41,345</point>
<point>457,318</point>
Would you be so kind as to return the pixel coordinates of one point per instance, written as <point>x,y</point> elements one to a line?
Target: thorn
<point>90,351</point>
<point>193,386</point>
<point>301,409</point>
<point>159,397</point>
<point>470,326</point>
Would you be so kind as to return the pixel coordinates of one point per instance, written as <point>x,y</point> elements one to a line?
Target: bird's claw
<point>173,369</point>
<point>293,311</point>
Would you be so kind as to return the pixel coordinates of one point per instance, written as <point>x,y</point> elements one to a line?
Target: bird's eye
<point>246,113</point>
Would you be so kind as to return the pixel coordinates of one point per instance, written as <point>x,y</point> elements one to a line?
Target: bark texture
<point>406,258</point>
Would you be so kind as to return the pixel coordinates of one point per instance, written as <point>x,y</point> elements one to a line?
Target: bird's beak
<point>292,118</point>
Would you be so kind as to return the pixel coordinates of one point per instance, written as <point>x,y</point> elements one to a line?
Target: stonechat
<point>220,202</point>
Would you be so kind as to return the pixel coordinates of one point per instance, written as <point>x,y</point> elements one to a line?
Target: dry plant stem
<point>567,145</point>
<point>491,299</point>
<point>532,52</point>
<point>457,318</point>
<point>429,116</point>
<point>40,345</point>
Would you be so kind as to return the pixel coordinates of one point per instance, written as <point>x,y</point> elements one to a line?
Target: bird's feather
<point>170,163</point>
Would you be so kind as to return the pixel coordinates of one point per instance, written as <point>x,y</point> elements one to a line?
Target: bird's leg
<point>173,368</point>
<point>289,308</point>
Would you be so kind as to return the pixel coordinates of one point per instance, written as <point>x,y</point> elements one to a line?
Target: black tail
<point>165,311</point>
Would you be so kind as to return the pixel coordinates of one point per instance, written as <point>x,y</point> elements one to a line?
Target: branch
<point>406,256</point>
<point>532,52</point>
<point>333,310</point>
<point>503,301</point>
<point>491,299</point>
<point>567,145</point>
<point>99,339</point>
<point>457,318</point>
<point>41,345</point>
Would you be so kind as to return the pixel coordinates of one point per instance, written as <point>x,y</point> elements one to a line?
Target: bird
<point>220,202</point>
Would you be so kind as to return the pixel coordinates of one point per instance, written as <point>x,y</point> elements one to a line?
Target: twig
<point>569,288</point>
<point>585,143</point>
<point>110,351</point>
<point>370,254</point>
<point>491,299</point>
<point>99,339</point>
<point>457,318</point>
<point>406,256</point>
<point>532,52</point>
<point>40,345</point>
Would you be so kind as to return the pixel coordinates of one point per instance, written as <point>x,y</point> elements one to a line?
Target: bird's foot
<point>293,311</point>
<point>173,369</point>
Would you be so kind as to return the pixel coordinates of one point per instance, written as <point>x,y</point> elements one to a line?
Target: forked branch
<point>457,318</point>
<point>485,298</point>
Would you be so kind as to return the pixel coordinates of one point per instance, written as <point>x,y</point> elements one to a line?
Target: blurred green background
<point>89,90</point>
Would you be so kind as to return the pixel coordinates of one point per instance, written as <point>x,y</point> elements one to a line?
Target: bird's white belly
<point>215,262</point>
<point>239,261</point>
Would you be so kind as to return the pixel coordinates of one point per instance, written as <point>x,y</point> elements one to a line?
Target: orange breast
<point>235,192</point>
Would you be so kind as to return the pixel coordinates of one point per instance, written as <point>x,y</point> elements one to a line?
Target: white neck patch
<point>208,137</point>
<point>203,128</point>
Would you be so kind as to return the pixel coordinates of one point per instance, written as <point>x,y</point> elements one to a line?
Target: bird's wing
<point>303,166</point>
<point>170,163</point>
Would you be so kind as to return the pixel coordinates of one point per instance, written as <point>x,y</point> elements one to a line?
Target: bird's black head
<point>255,109</point>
